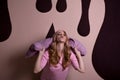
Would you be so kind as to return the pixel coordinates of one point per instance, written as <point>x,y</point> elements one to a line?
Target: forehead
<point>60,32</point>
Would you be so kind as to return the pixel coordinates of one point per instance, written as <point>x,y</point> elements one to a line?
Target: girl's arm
<point>38,67</point>
<point>80,61</point>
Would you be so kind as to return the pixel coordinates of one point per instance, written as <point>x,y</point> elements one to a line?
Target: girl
<point>56,60</point>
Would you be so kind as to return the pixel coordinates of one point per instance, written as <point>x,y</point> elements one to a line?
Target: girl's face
<point>61,36</point>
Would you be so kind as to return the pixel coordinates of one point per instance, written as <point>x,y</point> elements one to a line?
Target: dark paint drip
<point>51,31</point>
<point>43,5</point>
<point>5,23</point>
<point>106,52</point>
<point>83,26</point>
<point>61,5</point>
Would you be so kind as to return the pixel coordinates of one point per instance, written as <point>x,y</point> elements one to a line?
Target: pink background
<point>29,25</point>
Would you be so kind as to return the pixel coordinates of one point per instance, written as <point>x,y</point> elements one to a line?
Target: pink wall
<point>29,25</point>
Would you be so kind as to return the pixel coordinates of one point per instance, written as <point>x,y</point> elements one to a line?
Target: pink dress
<point>56,73</point>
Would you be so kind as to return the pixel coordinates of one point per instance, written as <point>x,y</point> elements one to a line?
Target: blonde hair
<point>53,55</point>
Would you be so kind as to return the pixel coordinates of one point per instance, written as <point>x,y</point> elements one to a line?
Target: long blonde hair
<point>53,55</point>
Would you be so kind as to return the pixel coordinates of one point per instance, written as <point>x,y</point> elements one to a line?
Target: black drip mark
<point>51,31</point>
<point>5,23</point>
<point>106,52</point>
<point>43,5</point>
<point>61,5</point>
<point>83,26</point>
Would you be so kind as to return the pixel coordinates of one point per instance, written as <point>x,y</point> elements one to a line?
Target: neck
<point>60,47</point>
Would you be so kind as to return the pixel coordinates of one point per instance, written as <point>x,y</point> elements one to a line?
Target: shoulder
<point>72,55</point>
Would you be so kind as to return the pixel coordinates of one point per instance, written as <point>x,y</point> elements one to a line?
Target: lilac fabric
<point>44,43</point>
<point>56,73</point>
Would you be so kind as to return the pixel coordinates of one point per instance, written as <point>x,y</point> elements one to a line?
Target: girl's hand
<point>42,51</point>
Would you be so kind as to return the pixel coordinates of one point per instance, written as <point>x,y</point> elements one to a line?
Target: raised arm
<point>41,61</point>
<point>80,61</point>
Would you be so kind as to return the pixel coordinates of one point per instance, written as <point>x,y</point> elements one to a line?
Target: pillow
<point>44,43</point>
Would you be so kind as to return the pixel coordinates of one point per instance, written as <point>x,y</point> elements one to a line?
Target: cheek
<point>58,38</point>
<point>64,39</point>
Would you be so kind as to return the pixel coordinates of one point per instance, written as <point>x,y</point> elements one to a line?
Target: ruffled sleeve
<point>74,61</point>
<point>44,59</point>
